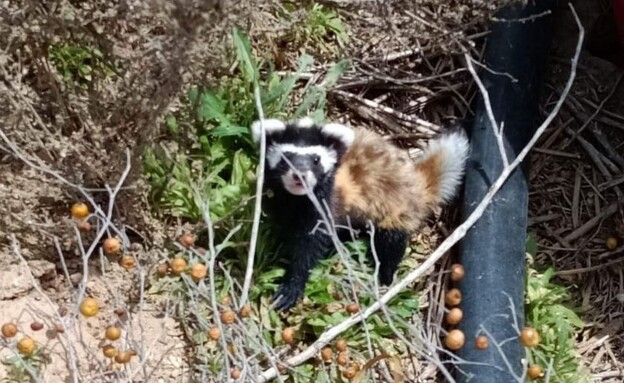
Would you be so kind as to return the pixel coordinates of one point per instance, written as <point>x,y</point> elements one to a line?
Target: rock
<point>15,281</point>
<point>76,278</point>
<point>42,269</point>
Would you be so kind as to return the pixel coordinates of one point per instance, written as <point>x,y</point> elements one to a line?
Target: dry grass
<point>574,211</point>
<point>407,79</point>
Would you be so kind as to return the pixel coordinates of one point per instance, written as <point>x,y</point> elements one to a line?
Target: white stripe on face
<point>328,158</point>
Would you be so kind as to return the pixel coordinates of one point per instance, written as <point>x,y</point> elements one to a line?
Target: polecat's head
<point>302,151</point>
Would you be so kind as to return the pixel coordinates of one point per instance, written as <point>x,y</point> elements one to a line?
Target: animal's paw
<point>286,297</point>
<point>386,276</point>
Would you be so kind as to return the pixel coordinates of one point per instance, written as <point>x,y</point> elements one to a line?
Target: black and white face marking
<point>302,164</point>
<point>302,151</point>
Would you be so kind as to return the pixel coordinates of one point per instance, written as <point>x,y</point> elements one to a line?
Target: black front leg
<point>390,247</point>
<point>306,250</point>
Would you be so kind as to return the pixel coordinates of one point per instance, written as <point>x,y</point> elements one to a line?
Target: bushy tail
<point>443,162</point>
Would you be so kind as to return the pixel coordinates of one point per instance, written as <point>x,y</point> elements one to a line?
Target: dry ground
<point>163,47</point>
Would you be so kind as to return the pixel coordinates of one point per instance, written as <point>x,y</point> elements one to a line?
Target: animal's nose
<point>297,178</point>
<point>300,163</point>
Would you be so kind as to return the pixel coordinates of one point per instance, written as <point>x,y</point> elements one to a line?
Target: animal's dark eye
<point>316,159</point>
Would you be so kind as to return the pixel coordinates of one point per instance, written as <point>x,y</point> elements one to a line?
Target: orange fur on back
<point>378,181</point>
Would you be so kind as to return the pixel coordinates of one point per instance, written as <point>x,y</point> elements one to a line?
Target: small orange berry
<point>228,317</point>
<point>111,246</point>
<point>288,335</point>
<point>178,265</point>
<point>352,308</point>
<point>9,330</point>
<point>198,272</point>
<point>112,333</point>
<point>89,307</point>
<point>327,354</point>
<point>79,210</point>
<point>214,333</point>
<point>162,269</point>
<point>26,346</point>
<point>84,226</point>
<point>245,311</point>
<point>454,316</point>
<point>453,297</point>
<point>535,371</point>
<point>109,351</point>
<point>341,344</point>
<point>349,373</point>
<point>342,358</point>
<point>123,357</point>
<point>187,240</point>
<point>482,342</point>
<point>455,340</point>
<point>529,337</point>
<point>127,262</point>
<point>457,272</point>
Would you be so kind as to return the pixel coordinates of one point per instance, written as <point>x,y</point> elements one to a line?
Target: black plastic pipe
<point>493,251</point>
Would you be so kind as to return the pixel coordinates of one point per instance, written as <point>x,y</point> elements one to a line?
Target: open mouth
<point>297,182</point>
<point>297,185</point>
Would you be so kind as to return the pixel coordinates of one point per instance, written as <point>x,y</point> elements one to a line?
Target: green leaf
<point>317,322</point>
<point>240,165</point>
<point>285,87</point>
<point>228,130</point>
<point>271,275</point>
<point>193,94</point>
<point>570,315</point>
<point>172,124</point>
<point>212,108</point>
<point>244,57</point>
<point>312,96</point>
<point>84,70</point>
<point>531,244</point>
<point>335,72</point>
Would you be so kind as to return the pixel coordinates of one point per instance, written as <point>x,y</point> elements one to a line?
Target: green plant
<point>321,28</point>
<point>78,63</point>
<point>211,157</point>
<point>23,369</point>
<point>550,310</point>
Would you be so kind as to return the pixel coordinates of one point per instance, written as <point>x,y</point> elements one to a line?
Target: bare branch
<point>258,207</point>
<point>498,131</point>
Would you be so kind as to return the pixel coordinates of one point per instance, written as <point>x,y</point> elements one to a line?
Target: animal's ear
<point>342,133</point>
<point>270,126</point>
<point>305,122</point>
